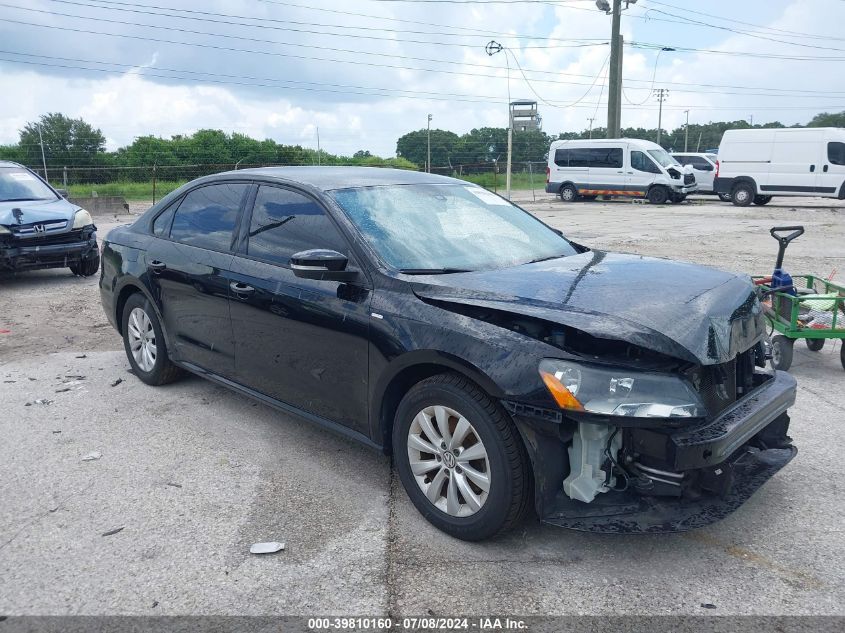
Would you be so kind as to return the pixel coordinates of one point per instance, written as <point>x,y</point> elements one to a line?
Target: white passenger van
<point>755,165</point>
<point>584,169</point>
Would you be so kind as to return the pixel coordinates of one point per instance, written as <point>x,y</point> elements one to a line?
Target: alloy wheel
<point>449,461</point>
<point>142,339</point>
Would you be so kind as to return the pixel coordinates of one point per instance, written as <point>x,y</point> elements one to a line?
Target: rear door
<point>832,177</point>
<point>300,341</point>
<point>607,173</point>
<point>187,271</point>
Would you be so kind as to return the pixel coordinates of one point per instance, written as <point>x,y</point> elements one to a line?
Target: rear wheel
<point>460,458</point>
<point>658,195</point>
<point>86,267</point>
<point>842,354</point>
<point>743,194</point>
<point>568,193</point>
<point>761,200</point>
<point>782,352</point>
<point>814,344</point>
<point>725,197</point>
<point>144,343</point>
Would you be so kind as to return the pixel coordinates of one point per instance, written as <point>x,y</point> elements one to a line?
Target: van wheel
<point>725,197</point>
<point>678,199</point>
<point>658,195</point>
<point>743,194</point>
<point>568,193</point>
<point>761,200</point>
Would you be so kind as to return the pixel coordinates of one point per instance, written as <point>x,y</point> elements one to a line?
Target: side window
<point>836,153</point>
<point>641,162</point>
<point>285,222</point>
<point>207,216</point>
<point>579,157</point>
<point>606,157</point>
<point>562,157</point>
<point>699,163</point>
<point>684,160</point>
<point>161,225</point>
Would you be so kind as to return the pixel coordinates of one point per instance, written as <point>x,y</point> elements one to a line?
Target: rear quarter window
<point>836,153</point>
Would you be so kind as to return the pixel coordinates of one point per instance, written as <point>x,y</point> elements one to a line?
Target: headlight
<point>81,219</point>
<point>622,392</point>
<point>4,230</point>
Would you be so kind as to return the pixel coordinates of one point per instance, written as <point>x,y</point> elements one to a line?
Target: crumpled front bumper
<point>20,255</point>
<point>738,451</point>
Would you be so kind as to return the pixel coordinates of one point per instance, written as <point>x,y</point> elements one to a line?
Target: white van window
<point>663,158</point>
<point>606,157</point>
<point>641,162</point>
<point>836,153</point>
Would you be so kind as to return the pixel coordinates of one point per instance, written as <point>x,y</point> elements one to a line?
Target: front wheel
<point>568,193</point>
<point>143,341</point>
<point>743,194</point>
<point>86,267</point>
<point>658,195</point>
<point>460,458</point>
<point>782,352</point>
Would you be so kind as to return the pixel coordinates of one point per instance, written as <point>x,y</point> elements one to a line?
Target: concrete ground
<point>192,474</point>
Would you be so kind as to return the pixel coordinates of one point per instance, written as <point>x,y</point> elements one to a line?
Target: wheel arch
<point>127,290</point>
<point>405,372</point>
<point>746,179</point>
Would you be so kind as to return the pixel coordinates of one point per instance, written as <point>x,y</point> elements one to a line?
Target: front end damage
<point>645,474</point>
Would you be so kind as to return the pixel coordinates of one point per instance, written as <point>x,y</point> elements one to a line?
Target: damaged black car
<point>41,229</point>
<point>502,365</point>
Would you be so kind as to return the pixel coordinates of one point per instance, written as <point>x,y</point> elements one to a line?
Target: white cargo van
<point>584,169</point>
<point>755,165</point>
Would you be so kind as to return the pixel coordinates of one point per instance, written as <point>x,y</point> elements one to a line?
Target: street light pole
<point>614,91</point>
<point>591,119</point>
<point>428,152</point>
<point>491,49</point>
<point>686,131</point>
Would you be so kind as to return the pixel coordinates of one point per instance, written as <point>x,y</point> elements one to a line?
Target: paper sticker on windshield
<point>22,175</point>
<point>486,196</point>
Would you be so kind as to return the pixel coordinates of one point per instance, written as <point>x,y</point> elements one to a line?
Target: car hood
<point>690,312</point>
<point>36,211</point>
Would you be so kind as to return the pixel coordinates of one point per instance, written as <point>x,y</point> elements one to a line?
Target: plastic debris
<point>266,548</point>
<point>43,401</point>
<point>5,331</point>
<point>63,389</point>
<point>82,356</point>
<point>707,605</point>
<point>92,456</point>
<point>114,531</point>
<point>117,382</point>
<point>175,485</point>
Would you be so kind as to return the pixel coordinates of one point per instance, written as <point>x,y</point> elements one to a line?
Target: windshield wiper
<point>433,271</point>
<point>544,259</point>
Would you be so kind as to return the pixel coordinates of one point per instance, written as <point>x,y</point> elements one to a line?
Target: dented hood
<point>691,312</point>
<point>29,211</point>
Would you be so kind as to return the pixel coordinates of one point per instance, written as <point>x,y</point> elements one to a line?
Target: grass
<point>143,191</point>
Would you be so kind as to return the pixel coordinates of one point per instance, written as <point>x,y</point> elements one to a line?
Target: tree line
<point>79,146</point>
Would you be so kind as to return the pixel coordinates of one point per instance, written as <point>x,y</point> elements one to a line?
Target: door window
<point>562,157</point>
<point>579,157</point>
<point>836,153</point>
<point>641,162</point>
<point>285,222</point>
<point>207,216</point>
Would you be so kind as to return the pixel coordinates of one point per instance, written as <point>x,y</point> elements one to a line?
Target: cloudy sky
<point>367,71</point>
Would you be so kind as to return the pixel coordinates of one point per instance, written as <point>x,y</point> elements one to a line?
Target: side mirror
<point>321,264</point>
<point>62,193</point>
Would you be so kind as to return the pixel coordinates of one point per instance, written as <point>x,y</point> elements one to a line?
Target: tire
<point>814,344</point>
<point>86,267</point>
<point>658,195</point>
<point>761,200</point>
<point>743,194</point>
<point>842,353</point>
<point>568,193</point>
<point>724,197</point>
<point>678,199</point>
<point>145,322</point>
<point>504,468</point>
<point>782,352</point>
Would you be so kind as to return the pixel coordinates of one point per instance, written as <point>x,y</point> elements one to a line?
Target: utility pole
<point>614,90</point>
<point>591,119</point>
<point>686,131</point>
<point>661,94</point>
<point>318,146</point>
<point>43,159</point>
<point>751,117</point>
<point>491,49</point>
<point>428,154</point>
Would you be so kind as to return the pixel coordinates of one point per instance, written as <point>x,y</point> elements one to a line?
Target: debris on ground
<point>114,531</point>
<point>117,382</point>
<point>92,456</point>
<point>43,401</point>
<point>57,431</point>
<point>707,605</point>
<point>63,389</point>
<point>266,548</point>
<point>175,485</point>
<point>5,331</point>
<point>82,356</point>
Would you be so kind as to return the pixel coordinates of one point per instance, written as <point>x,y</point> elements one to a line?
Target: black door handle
<point>241,289</point>
<point>824,169</point>
<point>812,168</point>
<point>157,266</point>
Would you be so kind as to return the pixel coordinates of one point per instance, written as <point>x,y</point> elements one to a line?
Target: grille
<point>39,228</point>
<point>689,179</point>
<point>45,239</point>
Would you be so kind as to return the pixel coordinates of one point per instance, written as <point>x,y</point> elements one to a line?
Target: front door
<point>187,271</point>
<point>300,341</point>
<point>641,173</point>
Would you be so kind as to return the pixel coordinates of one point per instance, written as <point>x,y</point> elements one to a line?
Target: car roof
<point>10,163</point>
<point>330,178</point>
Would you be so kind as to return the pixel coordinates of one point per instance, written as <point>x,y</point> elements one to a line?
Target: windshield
<point>663,158</point>
<point>448,228</point>
<point>18,184</point>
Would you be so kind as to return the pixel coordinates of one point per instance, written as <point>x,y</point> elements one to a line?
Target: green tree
<point>67,142</point>
<point>413,147</point>
<point>827,119</point>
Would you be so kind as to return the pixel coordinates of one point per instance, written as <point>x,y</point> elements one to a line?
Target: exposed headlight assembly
<point>622,392</point>
<point>82,219</point>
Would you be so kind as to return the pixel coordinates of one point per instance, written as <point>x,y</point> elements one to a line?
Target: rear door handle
<point>157,266</point>
<point>241,289</point>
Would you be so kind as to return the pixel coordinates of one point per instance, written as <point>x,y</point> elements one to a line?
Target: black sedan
<point>500,364</point>
<point>40,229</point>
